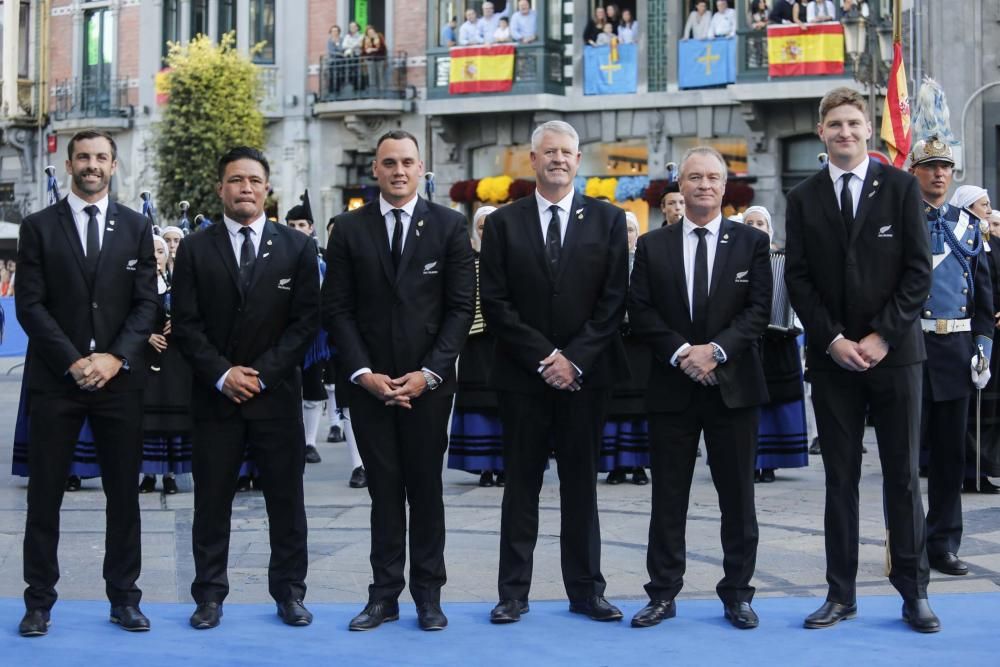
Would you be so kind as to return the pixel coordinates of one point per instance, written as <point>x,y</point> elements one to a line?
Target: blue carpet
<point>548,635</point>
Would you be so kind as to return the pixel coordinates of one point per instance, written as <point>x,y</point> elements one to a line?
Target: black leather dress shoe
<point>741,615</point>
<point>653,613</point>
<point>129,618</point>
<point>597,608</point>
<point>639,477</point>
<point>430,616</point>
<point>830,614</point>
<point>293,612</point>
<point>359,478</point>
<point>312,454</point>
<point>617,476</point>
<point>949,563</point>
<point>919,616</point>
<point>375,614</point>
<point>206,616</point>
<point>35,623</point>
<point>73,483</point>
<point>508,611</point>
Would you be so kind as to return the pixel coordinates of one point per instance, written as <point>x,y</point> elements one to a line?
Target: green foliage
<point>212,107</point>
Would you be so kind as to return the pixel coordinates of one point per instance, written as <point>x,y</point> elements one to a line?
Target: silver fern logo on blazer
<point>885,232</point>
<point>741,276</point>
<point>430,268</point>
<point>285,283</point>
<point>130,265</point>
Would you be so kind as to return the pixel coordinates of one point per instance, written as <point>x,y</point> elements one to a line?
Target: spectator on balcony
<point>723,22</point>
<point>607,36</point>
<point>490,21</point>
<point>852,9</point>
<point>468,33</point>
<point>821,11</point>
<point>524,24</point>
<point>595,26</point>
<point>352,40</point>
<point>628,29</point>
<point>698,21</point>
<point>334,58</point>
<point>502,34</point>
<point>782,12</point>
<point>757,19</point>
<point>448,36</point>
<point>373,52</point>
<point>800,13</point>
<point>612,16</point>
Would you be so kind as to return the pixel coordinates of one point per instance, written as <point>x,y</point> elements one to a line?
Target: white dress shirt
<point>820,8</point>
<point>468,34</point>
<point>697,26</point>
<point>723,24</point>
<point>690,240</point>
<point>236,241</point>
<point>856,183</point>
<point>81,218</point>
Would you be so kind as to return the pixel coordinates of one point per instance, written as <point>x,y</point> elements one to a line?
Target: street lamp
<point>869,46</point>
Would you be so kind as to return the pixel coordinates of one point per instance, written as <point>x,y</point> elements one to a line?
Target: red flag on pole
<point>896,113</point>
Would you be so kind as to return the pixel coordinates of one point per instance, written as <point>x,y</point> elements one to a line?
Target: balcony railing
<point>752,54</point>
<point>270,96</point>
<point>379,78</point>
<point>91,98</point>
<point>538,68</point>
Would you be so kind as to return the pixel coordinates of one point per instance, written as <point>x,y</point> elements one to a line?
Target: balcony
<point>538,71</point>
<point>100,103</point>
<point>363,86</point>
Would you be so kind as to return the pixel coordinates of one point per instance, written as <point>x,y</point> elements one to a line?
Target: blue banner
<point>15,341</point>
<point>706,62</point>
<point>610,70</point>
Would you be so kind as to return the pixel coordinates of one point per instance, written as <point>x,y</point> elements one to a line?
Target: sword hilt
<point>981,364</point>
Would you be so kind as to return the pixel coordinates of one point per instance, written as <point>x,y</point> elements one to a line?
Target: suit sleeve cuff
<point>835,339</point>
<point>358,373</point>
<point>680,350</point>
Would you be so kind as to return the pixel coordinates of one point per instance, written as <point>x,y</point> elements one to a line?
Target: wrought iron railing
<point>90,98</point>
<point>364,78</point>
<point>537,68</point>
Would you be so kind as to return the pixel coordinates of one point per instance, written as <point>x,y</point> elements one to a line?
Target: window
<point>23,37</point>
<point>171,24</point>
<point>800,159</point>
<point>199,18</point>
<point>262,30</point>
<point>227,16</point>
<point>98,55</point>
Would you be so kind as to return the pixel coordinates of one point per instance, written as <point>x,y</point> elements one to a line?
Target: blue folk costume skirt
<point>782,439</point>
<point>625,441</point>
<point>476,443</point>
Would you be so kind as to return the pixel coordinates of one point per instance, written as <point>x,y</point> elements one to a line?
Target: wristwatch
<point>717,354</point>
<point>432,382</point>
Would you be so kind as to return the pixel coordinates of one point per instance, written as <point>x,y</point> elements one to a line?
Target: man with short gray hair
<point>553,284</point>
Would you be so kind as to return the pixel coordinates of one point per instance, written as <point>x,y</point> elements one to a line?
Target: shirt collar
<point>861,171</point>
<point>712,227</point>
<point>234,227</point>
<point>77,204</point>
<point>385,207</point>
<point>566,203</point>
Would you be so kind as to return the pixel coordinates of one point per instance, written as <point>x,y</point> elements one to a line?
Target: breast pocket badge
<point>131,264</point>
<point>285,284</point>
<point>430,268</point>
<point>885,232</point>
<point>742,276</point>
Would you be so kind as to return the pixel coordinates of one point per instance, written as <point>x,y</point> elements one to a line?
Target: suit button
<point>965,274</point>
<point>965,291</point>
<point>962,309</point>
<point>94,305</point>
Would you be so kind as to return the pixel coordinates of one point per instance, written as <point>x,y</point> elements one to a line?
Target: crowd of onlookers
<point>7,269</point>
<point>356,59</point>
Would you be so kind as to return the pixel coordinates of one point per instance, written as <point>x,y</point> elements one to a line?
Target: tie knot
<point>398,214</point>
<point>554,210</point>
<point>700,231</point>
<point>91,210</point>
<point>246,232</point>
<point>846,178</point>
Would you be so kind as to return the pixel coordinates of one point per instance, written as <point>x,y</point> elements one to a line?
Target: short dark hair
<point>671,189</point>
<point>92,134</point>
<point>243,153</point>
<point>397,135</point>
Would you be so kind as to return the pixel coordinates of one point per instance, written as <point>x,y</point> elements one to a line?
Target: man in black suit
<point>858,270</point>
<point>86,298</point>
<point>398,302</point>
<point>553,281</point>
<point>245,309</point>
<point>701,298</point>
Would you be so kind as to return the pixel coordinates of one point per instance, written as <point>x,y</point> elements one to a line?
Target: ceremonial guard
<point>957,322</point>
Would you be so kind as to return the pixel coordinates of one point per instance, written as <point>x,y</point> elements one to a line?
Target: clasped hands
<point>93,372</point>
<point>398,392</point>
<point>699,364</point>
<point>159,340</point>
<point>241,384</point>
<point>859,356</point>
<point>559,373</point>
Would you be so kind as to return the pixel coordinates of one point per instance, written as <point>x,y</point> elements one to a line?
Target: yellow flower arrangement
<point>601,187</point>
<point>494,189</point>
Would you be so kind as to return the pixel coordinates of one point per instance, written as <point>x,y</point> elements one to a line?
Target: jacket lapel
<point>68,225</point>
<point>417,222</point>
<point>574,229</point>
<point>375,224</point>
<point>722,246</point>
<point>828,200</point>
<point>268,239</point>
<point>675,263</point>
<point>110,241</point>
<point>873,179</point>
<point>225,248</point>
<point>528,216</point>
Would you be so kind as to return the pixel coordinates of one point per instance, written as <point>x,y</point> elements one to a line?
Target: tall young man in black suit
<point>701,298</point>
<point>245,309</point>
<point>858,270</point>
<point>86,298</point>
<point>553,280</point>
<point>398,301</point>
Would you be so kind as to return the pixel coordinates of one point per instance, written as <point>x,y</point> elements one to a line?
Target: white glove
<point>979,379</point>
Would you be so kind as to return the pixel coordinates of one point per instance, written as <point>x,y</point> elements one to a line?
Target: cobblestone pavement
<point>790,560</point>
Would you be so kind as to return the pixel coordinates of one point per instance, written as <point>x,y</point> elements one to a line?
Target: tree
<point>213,93</point>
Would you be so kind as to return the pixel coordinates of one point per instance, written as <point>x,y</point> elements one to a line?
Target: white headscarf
<point>161,284</point>
<point>967,195</point>
<point>767,216</point>
<point>174,229</point>
<point>480,212</point>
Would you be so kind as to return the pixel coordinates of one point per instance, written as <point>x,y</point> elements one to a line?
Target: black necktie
<point>93,239</point>
<point>553,244</point>
<point>247,258</point>
<point>397,237</point>
<point>699,302</point>
<point>846,202</point>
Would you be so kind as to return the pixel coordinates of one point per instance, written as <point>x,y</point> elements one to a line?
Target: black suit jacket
<point>61,311</point>
<point>268,329</point>
<point>876,280</point>
<point>396,322</point>
<point>579,310</point>
<point>739,307</point>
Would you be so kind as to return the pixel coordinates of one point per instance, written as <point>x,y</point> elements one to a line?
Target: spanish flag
<point>818,49</point>
<point>896,112</point>
<point>481,69</point>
